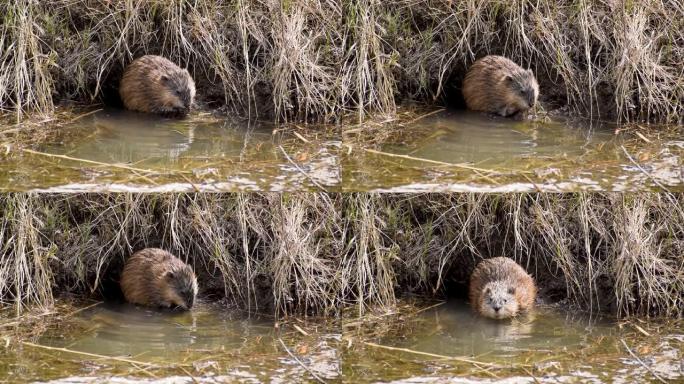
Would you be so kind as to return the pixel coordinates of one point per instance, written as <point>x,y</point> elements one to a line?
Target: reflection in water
<point>490,141</point>
<point>127,137</point>
<point>457,331</point>
<point>465,151</point>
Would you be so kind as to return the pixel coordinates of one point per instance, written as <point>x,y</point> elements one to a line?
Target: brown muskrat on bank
<point>497,85</point>
<point>155,278</point>
<point>153,84</point>
<point>500,288</point>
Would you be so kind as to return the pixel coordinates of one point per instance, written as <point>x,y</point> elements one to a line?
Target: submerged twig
<point>84,308</point>
<point>88,161</point>
<point>300,168</point>
<point>641,362</point>
<point>121,359</point>
<point>444,357</point>
<point>424,116</point>
<point>300,330</point>
<point>643,170</point>
<point>300,362</point>
<point>429,307</point>
<point>194,380</point>
<point>407,157</point>
<point>84,115</point>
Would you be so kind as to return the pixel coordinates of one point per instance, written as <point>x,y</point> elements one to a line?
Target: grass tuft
<point>320,60</point>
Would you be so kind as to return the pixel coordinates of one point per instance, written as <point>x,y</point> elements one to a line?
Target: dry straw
<point>318,253</point>
<point>323,59</point>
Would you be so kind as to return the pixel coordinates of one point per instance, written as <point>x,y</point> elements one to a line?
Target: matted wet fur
<point>500,288</point>
<point>497,85</point>
<point>155,278</point>
<point>153,84</point>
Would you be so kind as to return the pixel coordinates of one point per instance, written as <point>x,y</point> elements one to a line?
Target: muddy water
<point>116,150</point>
<point>456,151</point>
<point>449,344</point>
<point>209,344</point>
<point>463,151</point>
<point>412,343</point>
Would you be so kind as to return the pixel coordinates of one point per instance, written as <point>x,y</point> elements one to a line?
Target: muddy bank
<point>320,253</point>
<point>300,60</point>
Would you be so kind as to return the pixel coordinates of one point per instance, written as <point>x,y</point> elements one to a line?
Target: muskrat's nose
<point>496,308</point>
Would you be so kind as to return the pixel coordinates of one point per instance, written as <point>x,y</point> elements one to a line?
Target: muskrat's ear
<point>169,275</point>
<point>487,291</point>
<point>508,79</point>
<point>511,290</point>
<point>164,78</point>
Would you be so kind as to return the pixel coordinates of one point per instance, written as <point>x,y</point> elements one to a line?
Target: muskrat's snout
<point>530,98</point>
<point>189,302</point>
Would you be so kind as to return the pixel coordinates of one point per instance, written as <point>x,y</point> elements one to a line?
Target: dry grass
<point>320,60</point>
<point>619,253</point>
<point>318,253</point>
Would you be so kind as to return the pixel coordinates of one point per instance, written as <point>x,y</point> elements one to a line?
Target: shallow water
<point>547,346</point>
<point>463,151</point>
<point>116,150</point>
<point>209,343</point>
<point>452,151</point>
<point>414,343</point>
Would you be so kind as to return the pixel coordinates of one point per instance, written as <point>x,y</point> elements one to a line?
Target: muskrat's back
<point>497,85</point>
<point>153,84</point>
<point>155,278</point>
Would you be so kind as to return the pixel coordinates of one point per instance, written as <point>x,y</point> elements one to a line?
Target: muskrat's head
<point>180,287</point>
<point>523,89</point>
<point>498,300</point>
<point>179,93</point>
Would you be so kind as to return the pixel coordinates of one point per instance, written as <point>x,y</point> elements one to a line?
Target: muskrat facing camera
<point>500,288</point>
<point>153,277</point>
<point>497,85</point>
<point>153,84</point>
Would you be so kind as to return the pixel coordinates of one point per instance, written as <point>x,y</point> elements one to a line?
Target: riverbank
<point>320,253</point>
<point>305,61</point>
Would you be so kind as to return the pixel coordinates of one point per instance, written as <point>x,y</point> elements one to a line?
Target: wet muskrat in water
<point>155,278</point>
<point>500,288</point>
<point>153,84</point>
<point>497,85</point>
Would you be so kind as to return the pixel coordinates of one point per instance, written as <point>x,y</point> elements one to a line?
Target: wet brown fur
<point>505,271</point>
<point>497,85</point>
<point>155,278</point>
<point>153,84</point>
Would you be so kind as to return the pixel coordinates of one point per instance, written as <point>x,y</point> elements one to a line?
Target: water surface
<point>209,343</point>
<point>550,346</point>
<point>452,151</point>
<point>462,151</point>
<point>115,150</point>
<point>415,342</point>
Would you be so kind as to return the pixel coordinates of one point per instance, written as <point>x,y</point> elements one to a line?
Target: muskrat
<point>155,278</point>
<point>497,85</point>
<point>153,84</point>
<point>500,288</point>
